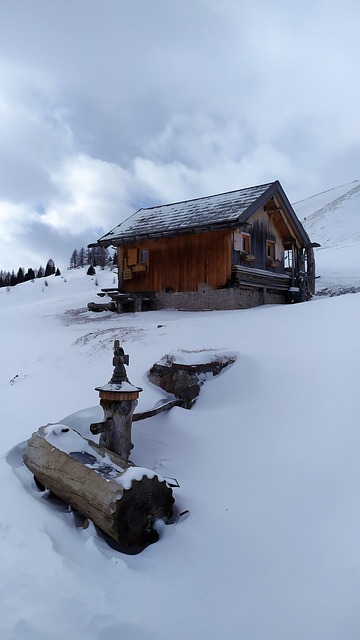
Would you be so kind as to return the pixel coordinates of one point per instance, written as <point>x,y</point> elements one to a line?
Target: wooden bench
<point>133,301</point>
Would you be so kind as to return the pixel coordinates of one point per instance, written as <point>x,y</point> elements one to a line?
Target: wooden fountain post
<point>118,399</point>
<point>99,480</point>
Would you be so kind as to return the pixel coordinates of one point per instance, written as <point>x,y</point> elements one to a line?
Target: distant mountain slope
<point>332,218</point>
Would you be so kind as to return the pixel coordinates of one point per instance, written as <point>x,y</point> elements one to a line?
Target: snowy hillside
<point>332,218</point>
<point>267,462</point>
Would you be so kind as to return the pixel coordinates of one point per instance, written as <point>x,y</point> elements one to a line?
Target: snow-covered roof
<point>201,214</point>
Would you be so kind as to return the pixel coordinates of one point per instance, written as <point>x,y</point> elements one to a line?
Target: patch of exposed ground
<point>83,316</point>
<point>104,338</point>
<point>336,290</point>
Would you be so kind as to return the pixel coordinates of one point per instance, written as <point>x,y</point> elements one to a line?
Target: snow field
<point>267,462</point>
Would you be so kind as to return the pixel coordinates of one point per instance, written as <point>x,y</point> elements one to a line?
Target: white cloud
<point>14,219</point>
<point>89,192</point>
<point>263,164</point>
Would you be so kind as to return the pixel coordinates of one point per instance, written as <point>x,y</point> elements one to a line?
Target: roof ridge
<point>207,213</point>
<point>214,195</point>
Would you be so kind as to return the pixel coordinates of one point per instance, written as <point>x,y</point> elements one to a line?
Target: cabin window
<point>288,258</point>
<point>137,256</point>
<point>270,249</point>
<point>144,256</point>
<point>245,242</point>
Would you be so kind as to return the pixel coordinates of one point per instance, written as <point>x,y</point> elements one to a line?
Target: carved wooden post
<point>311,268</point>
<point>118,399</point>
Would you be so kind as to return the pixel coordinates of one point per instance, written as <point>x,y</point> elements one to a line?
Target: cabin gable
<point>266,241</point>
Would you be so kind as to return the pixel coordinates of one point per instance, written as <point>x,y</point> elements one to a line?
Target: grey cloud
<point>110,106</point>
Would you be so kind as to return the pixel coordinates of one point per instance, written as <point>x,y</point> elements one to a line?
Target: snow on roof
<point>175,218</point>
<point>122,387</point>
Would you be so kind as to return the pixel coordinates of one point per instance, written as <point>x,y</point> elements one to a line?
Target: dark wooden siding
<point>182,263</point>
<point>267,226</point>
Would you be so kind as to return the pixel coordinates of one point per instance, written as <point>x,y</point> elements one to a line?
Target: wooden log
<point>142,415</point>
<point>123,500</point>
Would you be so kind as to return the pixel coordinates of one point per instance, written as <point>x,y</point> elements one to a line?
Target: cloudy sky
<point>110,105</point>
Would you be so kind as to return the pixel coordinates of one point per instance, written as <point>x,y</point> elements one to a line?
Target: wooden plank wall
<point>263,228</point>
<point>183,263</point>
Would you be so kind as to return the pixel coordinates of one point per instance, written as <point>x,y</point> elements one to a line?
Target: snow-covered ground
<point>267,461</point>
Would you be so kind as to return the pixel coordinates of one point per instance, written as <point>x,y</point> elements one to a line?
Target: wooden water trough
<point>123,500</point>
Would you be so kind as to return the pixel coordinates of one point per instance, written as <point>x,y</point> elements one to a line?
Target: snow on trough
<point>70,441</point>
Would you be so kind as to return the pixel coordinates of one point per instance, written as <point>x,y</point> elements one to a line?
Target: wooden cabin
<point>226,251</point>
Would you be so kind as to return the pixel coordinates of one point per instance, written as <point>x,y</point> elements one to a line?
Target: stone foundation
<point>218,299</point>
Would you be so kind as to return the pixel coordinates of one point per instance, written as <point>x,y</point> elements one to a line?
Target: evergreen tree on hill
<point>74,260</point>
<point>82,257</point>
<point>50,268</point>
<point>91,257</point>
<point>30,274</point>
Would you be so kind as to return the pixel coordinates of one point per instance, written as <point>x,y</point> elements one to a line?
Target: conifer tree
<point>74,260</point>
<point>82,257</point>
<point>30,274</point>
<point>50,268</point>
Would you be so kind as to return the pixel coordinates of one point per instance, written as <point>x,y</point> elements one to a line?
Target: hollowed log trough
<point>123,500</point>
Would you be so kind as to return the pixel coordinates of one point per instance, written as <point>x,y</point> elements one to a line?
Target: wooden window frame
<point>270,249</point>
<point>132,257</point>
<point>288,258</point>
<point>246,242</point>
<point>142,258</point>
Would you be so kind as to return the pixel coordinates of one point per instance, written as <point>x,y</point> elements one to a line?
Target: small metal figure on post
<point>118,399</point>
<point>119,360</point>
